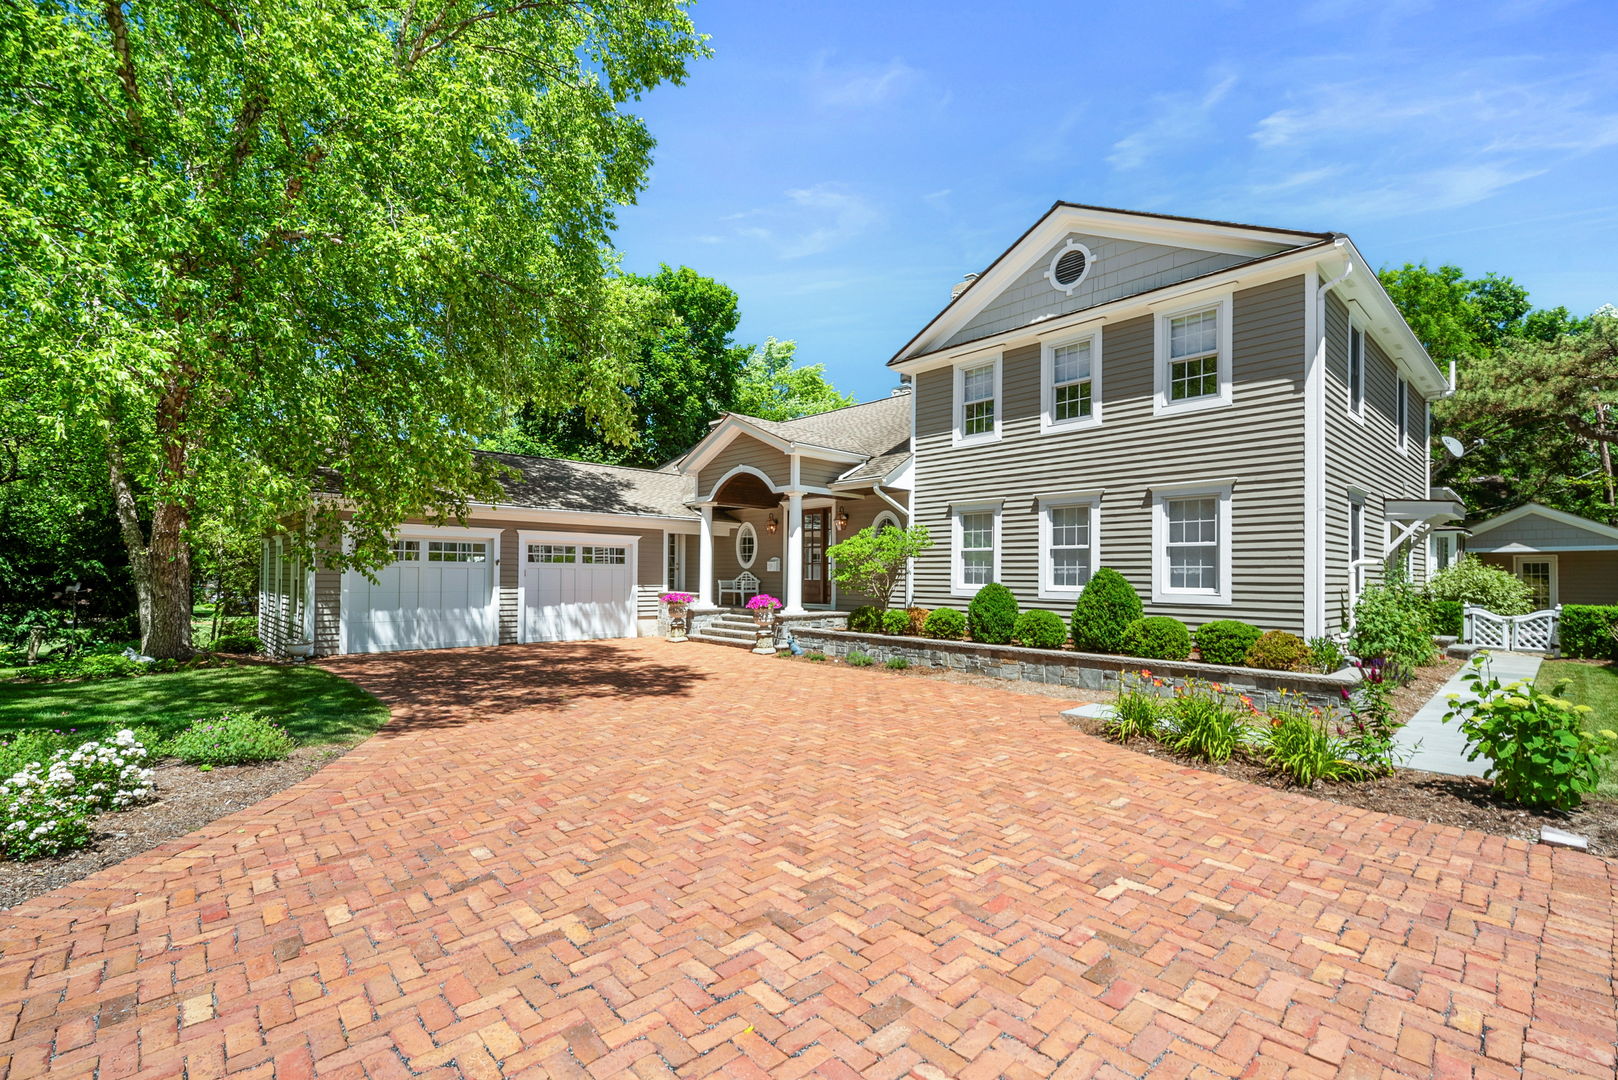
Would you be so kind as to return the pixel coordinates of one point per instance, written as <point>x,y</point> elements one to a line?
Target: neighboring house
<point>1564,558</point>
<point>1236,418</point>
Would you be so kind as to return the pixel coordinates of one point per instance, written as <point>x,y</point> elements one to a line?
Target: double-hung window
<point>977,394</point>
<point>977,547</point>
<point>1069,544</point>
<point>1194,358</point>
<point>1191,533</point>
<point>1072,379</point>
<point>1356,372</point>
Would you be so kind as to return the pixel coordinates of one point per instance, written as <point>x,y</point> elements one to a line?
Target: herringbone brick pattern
<point>637,859</point>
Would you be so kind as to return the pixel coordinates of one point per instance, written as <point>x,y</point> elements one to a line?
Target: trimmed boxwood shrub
<point>918,619</point>
<point>1159,637</point>
<point>1587,631</point>
<point>1277,650</point>
<point>865,620</point>
<point>1226,641</point>
<point>895,621</point>
<point>1446,618</point>
<point>1106,610</point>
<point>1040,630</point>
<point>945,624</point>
<point>992,615</point>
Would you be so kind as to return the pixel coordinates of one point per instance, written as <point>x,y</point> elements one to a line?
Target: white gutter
<point>910,564</point>
<point>1314,458</point>
<point>885,497</point>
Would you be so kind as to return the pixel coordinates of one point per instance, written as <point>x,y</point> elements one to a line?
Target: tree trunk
<point>160,566</point>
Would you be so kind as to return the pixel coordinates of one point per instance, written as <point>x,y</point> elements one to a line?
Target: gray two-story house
<point>1234,417</point>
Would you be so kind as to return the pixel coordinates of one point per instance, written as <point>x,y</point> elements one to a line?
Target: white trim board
<point>1561,517</point>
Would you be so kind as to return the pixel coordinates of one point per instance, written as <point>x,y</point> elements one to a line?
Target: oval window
<point>746,544</point>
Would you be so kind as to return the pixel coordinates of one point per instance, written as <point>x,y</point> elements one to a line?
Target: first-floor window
<point>975,549</point>
<point>1193,539</point>
<point>1443,550</point>
<point>676,568</point>
<point>1356,530</point>
<point>1069,545</point>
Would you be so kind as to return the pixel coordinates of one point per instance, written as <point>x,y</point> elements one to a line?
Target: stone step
<point>712,639</point>
<point>731,633</point>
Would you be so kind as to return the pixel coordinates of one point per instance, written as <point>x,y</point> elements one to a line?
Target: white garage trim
<point>628,541</point>
<point>427,532</point>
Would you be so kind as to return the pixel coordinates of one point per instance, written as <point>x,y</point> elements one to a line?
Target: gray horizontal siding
<point>745,450</point>
<point>1536,533</point>
<point>1258,440</point>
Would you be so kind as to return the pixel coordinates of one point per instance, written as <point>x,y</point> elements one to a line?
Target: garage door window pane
<point>602,556</point>
<point>456,551</point>
<point>552,553</point>
<point>406,551</point>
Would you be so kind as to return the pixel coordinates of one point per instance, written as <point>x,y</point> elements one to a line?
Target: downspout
<point>1315,531</point>
<point>885,497</point>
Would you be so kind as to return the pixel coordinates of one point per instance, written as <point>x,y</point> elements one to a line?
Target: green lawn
<point>1595,685</point>
<point>313,705</point>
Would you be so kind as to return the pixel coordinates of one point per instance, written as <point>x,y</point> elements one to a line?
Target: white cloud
<point>859,86</point>
<point>812,220</point>
<point>1178,119</point>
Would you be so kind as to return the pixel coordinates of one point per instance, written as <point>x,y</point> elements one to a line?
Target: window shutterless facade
<point>977,401</point>
<point>1356,372</point>
<point>1191,534</point>
<point>1194,358</point>
<point>976,547</point>
<point>1069,544</point>
<point>1070,378</point>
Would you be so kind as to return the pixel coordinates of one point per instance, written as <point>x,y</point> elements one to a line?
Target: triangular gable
<point>1595,529</point>
<point>1123,252</point>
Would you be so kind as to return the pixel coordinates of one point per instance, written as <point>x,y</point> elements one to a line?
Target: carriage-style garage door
<point>436,594</point>
<point>577,587</point>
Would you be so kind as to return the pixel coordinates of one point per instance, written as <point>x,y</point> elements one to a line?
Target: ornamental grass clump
<point>858,659</point>
<point>1539,753</point>
<point>1138,710</point>
<point>1201,721</point>
<point>232,739</point>
<point>1305,745</point>
<point>897,663</point>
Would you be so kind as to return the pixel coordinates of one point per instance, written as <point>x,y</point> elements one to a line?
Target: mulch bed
<point>187,799</point>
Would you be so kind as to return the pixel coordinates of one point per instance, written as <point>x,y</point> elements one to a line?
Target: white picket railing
<point>1535,631</point>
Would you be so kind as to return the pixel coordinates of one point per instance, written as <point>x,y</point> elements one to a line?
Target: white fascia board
<point>587,518</point>
<point>1243,275</point>
<point>1561,517</point>
<point>1059,221</point>
<point>904,477</point>
<point>1387,324</point>
<point>722,435</point>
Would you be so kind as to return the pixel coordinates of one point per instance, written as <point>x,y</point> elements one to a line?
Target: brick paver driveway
<point>638,859</point>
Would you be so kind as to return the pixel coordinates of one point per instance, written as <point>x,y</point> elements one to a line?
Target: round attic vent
<point>1069,267</point>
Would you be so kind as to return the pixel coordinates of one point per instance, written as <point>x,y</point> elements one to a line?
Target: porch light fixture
<point>842,520</point>
<point>770,525</point>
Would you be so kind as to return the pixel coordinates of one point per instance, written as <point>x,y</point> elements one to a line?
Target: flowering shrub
<point>46,805</point>
<point>1539,753</point>
<point>232,739</point>
<point>763,604</point>
<point>1307,745</point>
<point>676,598</point>
<point>1202,722</point>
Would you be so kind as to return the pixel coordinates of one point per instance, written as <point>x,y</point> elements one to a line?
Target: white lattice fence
<point>1535,631</point>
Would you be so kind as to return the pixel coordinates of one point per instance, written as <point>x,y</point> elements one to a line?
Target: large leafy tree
<point>250,245</point>
<point>685,371</point>
<point>1508,460</point>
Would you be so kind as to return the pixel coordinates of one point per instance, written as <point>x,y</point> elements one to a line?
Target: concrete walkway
<point>1435,746</point>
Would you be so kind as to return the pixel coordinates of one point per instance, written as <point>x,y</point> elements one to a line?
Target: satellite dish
<point>1453,445</point>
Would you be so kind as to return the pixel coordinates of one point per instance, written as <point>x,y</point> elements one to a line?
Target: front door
<point>816,589</point>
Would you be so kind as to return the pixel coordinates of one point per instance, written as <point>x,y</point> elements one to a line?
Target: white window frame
<point>1091,500</point>
<point>1222,490</point>
<point>1050,271</point>
<point>961,438</point>
<point>1556,574</point>
<point>883,520</point>
<point>674,562</point>
<point>1442,552</point>
<point>746,529</point>
<point>1401,416</point>
<point>1047,376</point>
<point>1161,405</point>
<point>957,573</point>
<point>1355,381</point>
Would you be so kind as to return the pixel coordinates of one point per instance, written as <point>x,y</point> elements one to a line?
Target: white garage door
<point>578,591</point>
<point>436,594</point>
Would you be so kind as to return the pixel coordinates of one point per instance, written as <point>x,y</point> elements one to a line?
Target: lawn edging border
<point>1088,671</point>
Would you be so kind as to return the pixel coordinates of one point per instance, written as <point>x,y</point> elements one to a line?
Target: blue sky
<point>841,165</point>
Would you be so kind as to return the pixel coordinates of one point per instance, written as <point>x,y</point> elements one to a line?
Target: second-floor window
<point>978,392</point>
<point>1072,373</point>
<point>1194,358</point>
<point>1401,409</point>
<point>1356,372</point>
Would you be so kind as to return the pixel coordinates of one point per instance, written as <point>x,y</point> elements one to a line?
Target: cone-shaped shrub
<point>1107,608</point>
<point>992,615</point>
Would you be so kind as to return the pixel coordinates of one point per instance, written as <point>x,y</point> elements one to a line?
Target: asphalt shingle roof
<point>874,428</point>
<point>545,483</point>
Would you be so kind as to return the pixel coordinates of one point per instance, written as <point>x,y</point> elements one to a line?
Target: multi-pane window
<point>407,551</point>
<point>1194,355</point>
<point>1537,575</point>
<point>1356,371</point>
<point>1071,381</point>
<point>746,544</point>
<point>456,551</point>
<point>977,547</point>
<point>552,553</point>
<point>1069,550</point>
<point>1356,531</point>
<point>1193,543</point>
<point>602,556</point>
<point>977,400</point>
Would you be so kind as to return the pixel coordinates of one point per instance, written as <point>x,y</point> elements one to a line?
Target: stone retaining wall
<point>1088,671</point>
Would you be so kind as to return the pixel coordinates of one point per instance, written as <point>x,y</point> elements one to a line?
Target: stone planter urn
<point>764,608</point>
<point>677,607</point>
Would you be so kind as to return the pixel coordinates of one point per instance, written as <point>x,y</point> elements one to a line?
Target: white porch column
<point>705,575</point>
<point>794,597</point>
